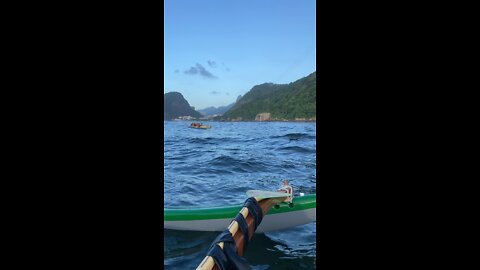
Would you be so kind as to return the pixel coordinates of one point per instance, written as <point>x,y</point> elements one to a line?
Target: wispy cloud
<point>212,63</point>
<point>225,67</point>
<point>200,70</point>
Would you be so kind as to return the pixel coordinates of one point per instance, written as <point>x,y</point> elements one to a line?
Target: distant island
<point>295,101</point>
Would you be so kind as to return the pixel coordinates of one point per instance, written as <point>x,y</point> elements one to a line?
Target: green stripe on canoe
<point>299,203</point>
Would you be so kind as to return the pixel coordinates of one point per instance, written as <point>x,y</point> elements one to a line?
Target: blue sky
<point>215,50</point>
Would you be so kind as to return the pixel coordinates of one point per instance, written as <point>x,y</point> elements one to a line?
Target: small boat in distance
<point>199,126</point>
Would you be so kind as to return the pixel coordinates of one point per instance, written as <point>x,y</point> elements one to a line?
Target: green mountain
<point>175,105</point>
<point>283,101</point>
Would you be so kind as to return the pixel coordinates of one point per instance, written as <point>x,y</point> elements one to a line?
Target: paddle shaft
<point>265,204</point>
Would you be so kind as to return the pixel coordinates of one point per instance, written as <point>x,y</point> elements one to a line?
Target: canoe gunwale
<point>299,203</point>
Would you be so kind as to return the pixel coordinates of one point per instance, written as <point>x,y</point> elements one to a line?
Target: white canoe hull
<point>274,222</point>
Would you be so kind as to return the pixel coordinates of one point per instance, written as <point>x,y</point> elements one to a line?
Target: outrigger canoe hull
<point>283,216</point>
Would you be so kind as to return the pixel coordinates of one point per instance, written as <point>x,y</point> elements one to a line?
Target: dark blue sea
<point>215,167</point>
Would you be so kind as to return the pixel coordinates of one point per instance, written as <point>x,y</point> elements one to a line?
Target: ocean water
<point>217,166</point>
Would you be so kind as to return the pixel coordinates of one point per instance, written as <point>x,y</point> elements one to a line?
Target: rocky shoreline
<point>261,117</point>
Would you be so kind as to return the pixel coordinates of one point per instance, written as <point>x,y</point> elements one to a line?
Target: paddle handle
<point>208,262</point>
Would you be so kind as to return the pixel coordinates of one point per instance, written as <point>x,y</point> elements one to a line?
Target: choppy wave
<point>212,140</point>
<point>237,164</point>
<point>296,136</point>
<point>298,149</point>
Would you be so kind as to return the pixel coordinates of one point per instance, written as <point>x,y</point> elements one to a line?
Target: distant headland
<point>268,102</point>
